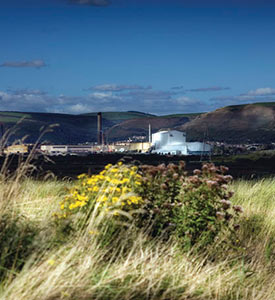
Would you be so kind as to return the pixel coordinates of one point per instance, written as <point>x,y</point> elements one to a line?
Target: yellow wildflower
<point>72,206</point>
<point>82,198</point>
<point>95,188</point>
<point>51,262</point>
<point>95,232</point>
<point>108,166</point>
<point>115,199</point>
<point>81,176</point>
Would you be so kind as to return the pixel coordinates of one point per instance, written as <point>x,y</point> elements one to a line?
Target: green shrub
<point>160,189</point>
<point>16,244</point>
<point>161,199</point>
<point>195,208</point>
<point>204,209</point>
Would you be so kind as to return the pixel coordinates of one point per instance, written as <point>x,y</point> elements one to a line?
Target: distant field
<point>12,117</point>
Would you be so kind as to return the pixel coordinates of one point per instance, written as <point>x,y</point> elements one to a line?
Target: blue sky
<point>155,56</point>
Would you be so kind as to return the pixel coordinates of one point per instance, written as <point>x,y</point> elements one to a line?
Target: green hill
<point>233,124</point>
<point>120,116</point>
<point>72,128</point>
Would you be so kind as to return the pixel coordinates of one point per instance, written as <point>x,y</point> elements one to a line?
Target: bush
<point>195,208</point>
<point>160,189</point>
<point>161,199</point>
<point>110,193</point>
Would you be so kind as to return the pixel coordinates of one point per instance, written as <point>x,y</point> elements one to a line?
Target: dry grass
<point>135,267</point>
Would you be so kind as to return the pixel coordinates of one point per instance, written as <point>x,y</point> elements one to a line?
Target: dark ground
<point>71,166</point>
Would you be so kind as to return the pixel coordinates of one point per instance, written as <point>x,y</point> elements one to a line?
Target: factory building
<point>18,149</point>
<point>174,142</point>
<point>64,149</point>
<point>169,141</point>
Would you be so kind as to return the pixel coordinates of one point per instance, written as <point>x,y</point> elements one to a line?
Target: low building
<point>64,149</point>
<point>174,142</point>
<point>129,147</point>
<point>198,148</point>
<point>18,149</point>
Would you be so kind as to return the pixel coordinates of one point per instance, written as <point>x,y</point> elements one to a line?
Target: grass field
<point>38,263</point>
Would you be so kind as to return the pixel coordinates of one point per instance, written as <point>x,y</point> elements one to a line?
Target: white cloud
<point>262,92</point>
<point>186,101</point>
<point>155,101</point>
<point>119,87</point>
<point>78,108</point>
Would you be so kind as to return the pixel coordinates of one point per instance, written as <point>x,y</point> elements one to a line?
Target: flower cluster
<point>206,210</point>
<point>112,190</point>
<point>195,209</point>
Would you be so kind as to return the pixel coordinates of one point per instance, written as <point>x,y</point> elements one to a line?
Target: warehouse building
<point>64,149</point>
<point>174,142</point>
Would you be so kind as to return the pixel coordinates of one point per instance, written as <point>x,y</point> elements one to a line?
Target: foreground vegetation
<point>63,257</point>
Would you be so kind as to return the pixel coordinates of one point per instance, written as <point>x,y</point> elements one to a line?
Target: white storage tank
<point>168,137</point>
<point>169,141</point>
<point>198,148</point>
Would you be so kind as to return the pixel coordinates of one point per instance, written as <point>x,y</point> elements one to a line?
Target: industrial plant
<point>166,141</point>
<point>162,142</point>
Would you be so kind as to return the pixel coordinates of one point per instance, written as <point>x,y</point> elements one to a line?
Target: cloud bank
<point>108,97</point>
<point>261,92</point>
<point>123,98</point>
<point>209,89</point>
<point>253,96</point>
<point>39,63</point>
<point>118,87</point>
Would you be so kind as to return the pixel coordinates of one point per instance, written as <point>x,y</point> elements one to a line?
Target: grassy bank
<point>37,262</point>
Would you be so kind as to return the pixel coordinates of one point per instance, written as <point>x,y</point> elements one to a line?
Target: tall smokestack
<point>99,128</point>
<point>150,134</point>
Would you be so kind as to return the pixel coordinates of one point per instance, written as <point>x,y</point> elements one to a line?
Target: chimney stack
<point>99,128</point>
<point>150,134</point>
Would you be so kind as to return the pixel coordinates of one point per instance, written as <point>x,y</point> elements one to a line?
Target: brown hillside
<point>235,124</point>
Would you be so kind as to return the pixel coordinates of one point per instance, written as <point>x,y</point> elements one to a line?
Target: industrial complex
<point>162,142</point>
<point>167,141</point>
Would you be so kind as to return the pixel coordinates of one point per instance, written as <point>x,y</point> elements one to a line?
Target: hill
<point>71,128</point>
<point>82,128</point>
<point>235,124</point>
<point>249,123</point>
<point>120,116</point>
<point>139,127</point>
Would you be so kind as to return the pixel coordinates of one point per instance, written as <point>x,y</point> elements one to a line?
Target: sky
<point>154,56</point>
